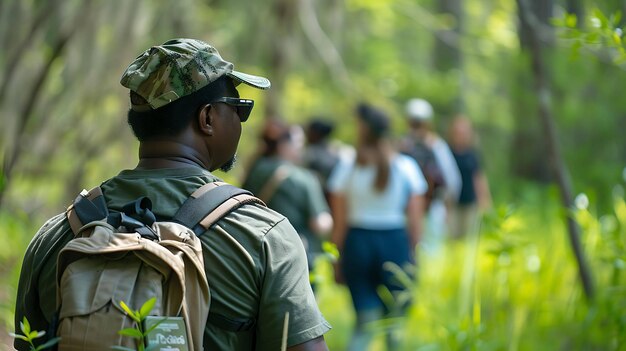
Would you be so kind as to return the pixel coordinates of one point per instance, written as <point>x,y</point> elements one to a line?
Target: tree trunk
<point>46,12</point>
<point>528,144</point>
<point>284,12</point>
<point>561,172</point>
<point>447,53</point>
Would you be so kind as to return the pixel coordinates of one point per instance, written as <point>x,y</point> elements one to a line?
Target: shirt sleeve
<point>286,292</point>
<point>339,177</point>
<point>415,178</point>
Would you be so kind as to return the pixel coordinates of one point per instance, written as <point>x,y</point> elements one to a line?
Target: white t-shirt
<point>368,208</point>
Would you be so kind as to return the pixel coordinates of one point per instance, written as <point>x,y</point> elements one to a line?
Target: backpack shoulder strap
<point>279,175</point>
<point>199,212</point>
<point>211,202</point>
<point>88,206</point>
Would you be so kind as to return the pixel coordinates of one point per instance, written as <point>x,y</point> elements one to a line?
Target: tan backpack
<point>129,257</point>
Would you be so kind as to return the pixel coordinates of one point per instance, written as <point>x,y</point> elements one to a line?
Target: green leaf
<point>592,38</point>
<point>145,309</point>
<point>617,39</point>
<point>133,333</point>
<point>331,249</point>
<point>132,314</point>
<point>616,17</point>
<point>571,20</point>
<point>557,22</point>
<point>48,344</point>
<point>19,336</point>
<point>125,307</point>
<point>25,326</point>
<point>603,21</point>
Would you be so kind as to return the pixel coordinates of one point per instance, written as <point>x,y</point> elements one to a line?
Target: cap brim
<point>251,80</point>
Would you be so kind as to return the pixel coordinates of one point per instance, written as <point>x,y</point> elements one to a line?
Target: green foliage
<point>606,242</point>
<point>514,287</point>
<point>138,332</point>
<point>331,251</point>
<point>18,230</point>
<point>523,283</point>
<point>29,336</point>
<point>602,33</point>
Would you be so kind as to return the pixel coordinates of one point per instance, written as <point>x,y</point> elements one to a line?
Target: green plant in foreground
<point>138,332</point>
<point>30,335</point>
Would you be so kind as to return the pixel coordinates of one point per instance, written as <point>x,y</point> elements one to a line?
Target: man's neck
<point>169,154</point>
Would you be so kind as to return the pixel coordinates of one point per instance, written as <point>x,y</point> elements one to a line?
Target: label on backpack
<point>169,335</point>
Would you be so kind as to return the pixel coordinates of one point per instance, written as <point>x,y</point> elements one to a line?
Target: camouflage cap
<point>178,68</point>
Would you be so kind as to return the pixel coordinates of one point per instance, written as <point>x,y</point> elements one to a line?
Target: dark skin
<point>194,145</point>
<point>210,142</point>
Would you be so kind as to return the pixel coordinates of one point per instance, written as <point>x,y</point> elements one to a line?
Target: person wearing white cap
<point>437,162</point>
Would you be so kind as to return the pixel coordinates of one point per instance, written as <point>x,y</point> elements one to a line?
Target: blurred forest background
<point>540,79</point>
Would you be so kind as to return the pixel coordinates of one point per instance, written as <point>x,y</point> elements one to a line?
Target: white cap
<point>419,109</point>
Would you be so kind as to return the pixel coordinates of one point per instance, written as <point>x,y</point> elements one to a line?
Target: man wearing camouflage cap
<point>186,113</point>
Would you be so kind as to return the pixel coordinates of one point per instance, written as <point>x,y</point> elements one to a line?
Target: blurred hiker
<point>289,189</point>
<point>320,156</point>
<point>438,166</point>
<point>377,205</point>
<point>474,195</point>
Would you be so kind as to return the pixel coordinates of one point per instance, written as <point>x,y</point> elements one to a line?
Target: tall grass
<point>17,230</point>
<point>513,287</point>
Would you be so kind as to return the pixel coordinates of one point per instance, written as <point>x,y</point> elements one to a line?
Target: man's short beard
<point>229,164</point>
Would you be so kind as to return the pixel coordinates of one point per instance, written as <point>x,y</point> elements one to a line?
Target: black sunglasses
<point>242,106</point>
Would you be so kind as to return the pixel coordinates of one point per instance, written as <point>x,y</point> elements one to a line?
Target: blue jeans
<point>365,252</point>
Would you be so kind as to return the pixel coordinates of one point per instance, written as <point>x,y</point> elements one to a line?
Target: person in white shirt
<point>377,204</point>
<point>439,167</point>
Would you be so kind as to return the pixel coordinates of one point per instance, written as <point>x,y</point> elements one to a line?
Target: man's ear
<point>205,119</point>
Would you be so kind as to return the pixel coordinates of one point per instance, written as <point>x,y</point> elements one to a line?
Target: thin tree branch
<point>322,43</point>
<point>26,113</point>
<point>21,47</point>
<point>560,167</point>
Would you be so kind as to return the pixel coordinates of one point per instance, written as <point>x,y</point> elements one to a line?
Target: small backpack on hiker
<point>120,260</point>
<point>430,168</point>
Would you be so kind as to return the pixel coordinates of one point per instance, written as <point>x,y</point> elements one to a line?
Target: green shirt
<point>254,261</point>
<point>299,197</point>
